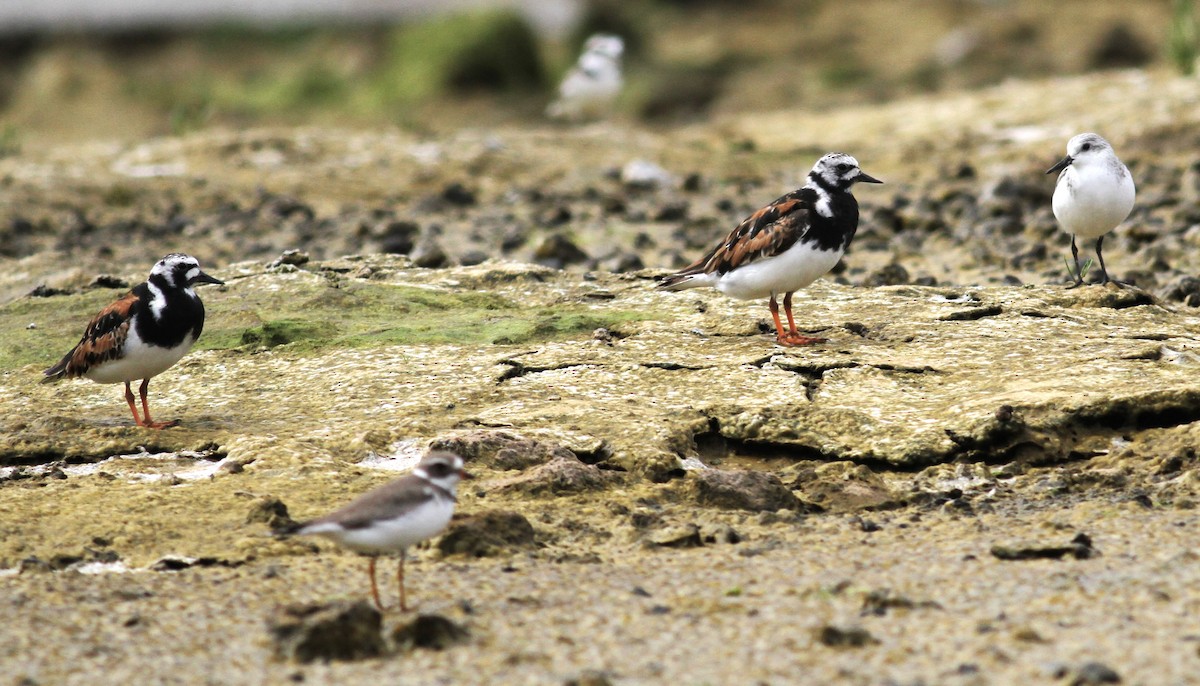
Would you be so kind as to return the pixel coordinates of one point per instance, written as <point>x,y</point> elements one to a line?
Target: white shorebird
<point>1094,194</point>
<point>590,87</point>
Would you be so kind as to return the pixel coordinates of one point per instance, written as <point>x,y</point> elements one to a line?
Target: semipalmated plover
<point>401,513</point>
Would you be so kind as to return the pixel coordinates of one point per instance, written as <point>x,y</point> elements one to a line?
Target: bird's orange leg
<point>779,332</point>
<point>374,586</point>
<point>132,405</point>
<point>793,336</point>
<point>400,580</point>
<point>146,421</point>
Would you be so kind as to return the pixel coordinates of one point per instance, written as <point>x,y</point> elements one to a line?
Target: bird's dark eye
<point>843,167</point>
<point>1086,147</point>
<point>439,469</point>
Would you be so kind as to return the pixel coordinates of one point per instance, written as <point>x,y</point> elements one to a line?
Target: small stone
<point>1094,673</point>
<point>292,257</point>
<point>458,194</point>
<point>270,511</point>
<point>341,630</point>
<point>850,637</point>
<point>591,677</point>
<point>557,251</point>
<point>560,476</point>
<point>430,255</point>
<point>485,534</point>
<point>398,237</point>
<point>675,536</point>
<point>555,216</point>
<point>644,174</point>
<point>500,449</point>
<point>672,212</point>
<point>625,262</point>
<point>473,257</point>
<point>719,533</point>
<point>741,489</point>
<point>434,632</point>
<point>893,274</point>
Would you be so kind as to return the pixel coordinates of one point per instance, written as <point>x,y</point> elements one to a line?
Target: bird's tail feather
<point>680,282</point>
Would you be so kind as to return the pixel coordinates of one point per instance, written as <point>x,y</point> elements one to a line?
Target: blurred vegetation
<point>685,60</point>
<point>1183,44</point>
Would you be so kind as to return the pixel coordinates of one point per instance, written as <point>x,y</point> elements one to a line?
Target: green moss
<point>315,315</point>
<point>58,323</point>
<point>484,50</point>
<point>283,331</point>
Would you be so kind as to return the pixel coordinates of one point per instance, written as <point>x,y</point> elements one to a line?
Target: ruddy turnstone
<point>590,87</point>
<point>394,516</point>
<point>141,334</point>
<point>786,245</point>
<point>1094,194</point>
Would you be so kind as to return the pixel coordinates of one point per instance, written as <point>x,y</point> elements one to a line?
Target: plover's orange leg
<point>132,405</point>
<point>374,586</point>
<point>779,331</point>
<point>793,337</point>
<point>146,421</point>
<point>400,581</point>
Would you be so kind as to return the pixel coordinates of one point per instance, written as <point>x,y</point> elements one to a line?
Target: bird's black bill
<point>1062,164</point>
<point>205,278</point>
<point>864,177</point>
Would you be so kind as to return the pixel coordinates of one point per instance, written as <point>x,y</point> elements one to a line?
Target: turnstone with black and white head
<point>394,516</point>
<point>590,87</point>
<point>786,245</point>
<point>1094,194</point>
<point>142,334</point>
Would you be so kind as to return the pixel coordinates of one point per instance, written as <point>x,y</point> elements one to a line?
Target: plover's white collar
<point>399,514</point>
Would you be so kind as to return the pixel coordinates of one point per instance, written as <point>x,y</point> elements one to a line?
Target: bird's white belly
<point>141,361</point>
<point>398,533</point>
<point>1093,205</point>
<point>798,267</point>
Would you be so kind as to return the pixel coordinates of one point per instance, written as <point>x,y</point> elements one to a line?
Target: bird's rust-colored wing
<point>766,233</point>
<point>102,340</point>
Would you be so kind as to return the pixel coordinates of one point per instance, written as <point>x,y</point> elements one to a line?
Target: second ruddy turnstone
<point>142,334</point>
<point>786,245</point>
<point>394,516</point>
<point>1094,194</point>
<point>590,87</point>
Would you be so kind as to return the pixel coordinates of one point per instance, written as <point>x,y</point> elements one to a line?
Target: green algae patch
<point>40,330</point>
<point>283,331</point>
<point>317,314</point>
<point>311,312</point>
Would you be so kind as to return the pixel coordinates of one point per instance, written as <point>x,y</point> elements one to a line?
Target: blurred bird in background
<point>590,87</point>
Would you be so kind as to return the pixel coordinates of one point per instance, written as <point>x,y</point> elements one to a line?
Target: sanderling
<point>1094,194</point>
<point>590,87</point>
